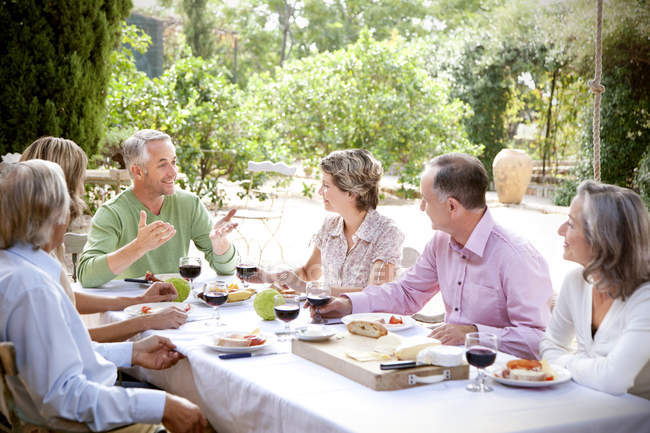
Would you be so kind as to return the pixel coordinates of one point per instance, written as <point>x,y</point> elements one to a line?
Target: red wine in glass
<point>480,357</point>
<point>245,272</point>
<point>189,272</point>
<point>287,312</point>
<point>318,301</point>
<point>215,298</point>
<point>481,352</point>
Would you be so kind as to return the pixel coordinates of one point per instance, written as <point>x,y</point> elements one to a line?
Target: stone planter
<point>512,171</point>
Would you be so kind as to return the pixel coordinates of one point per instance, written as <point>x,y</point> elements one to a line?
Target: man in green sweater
<point>149,226</point>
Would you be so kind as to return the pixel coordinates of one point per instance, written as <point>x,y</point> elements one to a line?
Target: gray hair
<point>135,147</point>
<point>355,171</point>
<point>33,198</point>
<point>462,177</point>
<point>617,227</point>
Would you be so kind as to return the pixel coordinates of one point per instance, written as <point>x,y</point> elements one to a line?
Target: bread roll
<point>367,329</point>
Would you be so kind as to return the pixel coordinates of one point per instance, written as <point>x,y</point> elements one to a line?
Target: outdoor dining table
<point>285,393</point>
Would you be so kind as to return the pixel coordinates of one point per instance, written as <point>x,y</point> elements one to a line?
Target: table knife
<point>245,355</point>
<point>398,365</point>
<point>137,280</point>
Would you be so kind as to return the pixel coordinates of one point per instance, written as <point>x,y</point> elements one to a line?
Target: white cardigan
<point>617,359</point>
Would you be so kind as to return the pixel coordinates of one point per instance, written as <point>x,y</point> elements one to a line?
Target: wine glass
<point>214,298</point>
<point>287,308</point>
<point>189,268</point>
<point>481,351</point>
<point>246,270</point>
<point>318,294</point>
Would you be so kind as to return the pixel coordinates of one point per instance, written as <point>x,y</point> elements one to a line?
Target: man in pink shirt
<point>490,280</point>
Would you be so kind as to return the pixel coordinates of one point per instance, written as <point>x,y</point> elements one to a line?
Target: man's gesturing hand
<point>151,236</point>
<point>219,232</point>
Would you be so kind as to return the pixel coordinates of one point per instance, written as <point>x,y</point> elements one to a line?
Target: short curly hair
<point>355,171</point>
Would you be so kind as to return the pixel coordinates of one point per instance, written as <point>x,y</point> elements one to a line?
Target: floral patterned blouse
<point>378,238</point>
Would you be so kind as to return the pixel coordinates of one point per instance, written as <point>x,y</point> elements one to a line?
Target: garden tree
<point>272,31</point>
<point>199,27</point>
<point>625,130</point>
<point>54,69</point>
<point>372,95</point>
<point>194,102</point>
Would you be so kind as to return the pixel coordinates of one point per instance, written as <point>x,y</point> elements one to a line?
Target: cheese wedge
<point>444,356</point>
<point>410,348</point>
<point>362,356</point>
<point>388,343</point>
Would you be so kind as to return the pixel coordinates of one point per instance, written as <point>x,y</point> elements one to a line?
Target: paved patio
<point>536,219</point>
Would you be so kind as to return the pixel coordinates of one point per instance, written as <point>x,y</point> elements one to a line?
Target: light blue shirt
<point>63,373</point>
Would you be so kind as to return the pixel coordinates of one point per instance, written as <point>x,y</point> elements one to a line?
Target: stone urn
<point>512,170</point>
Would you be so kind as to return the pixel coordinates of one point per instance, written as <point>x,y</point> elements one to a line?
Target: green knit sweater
<point>115,224</point>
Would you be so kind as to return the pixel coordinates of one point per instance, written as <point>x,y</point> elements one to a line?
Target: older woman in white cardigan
<point>605,304</point>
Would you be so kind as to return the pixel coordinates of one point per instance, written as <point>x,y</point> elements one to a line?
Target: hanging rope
<point>598,89</point>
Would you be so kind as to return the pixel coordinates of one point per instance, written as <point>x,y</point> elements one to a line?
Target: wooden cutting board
<point>331,354</point>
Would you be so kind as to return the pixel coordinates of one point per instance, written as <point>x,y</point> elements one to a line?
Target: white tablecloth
<point>285,393</point>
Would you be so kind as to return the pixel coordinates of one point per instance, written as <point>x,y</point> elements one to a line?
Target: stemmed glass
<point>214,298</point>
<point>246,270</point>
<point>189,268</point>
<point>318,294</point>
<point>287,308</point>
<point>481,352</point>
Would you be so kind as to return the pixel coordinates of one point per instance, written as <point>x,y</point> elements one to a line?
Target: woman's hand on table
<point>182,416</point>
<point>336,307</point>
<point>159,292</point>
<point>155,352</point>
<point>168,318</point>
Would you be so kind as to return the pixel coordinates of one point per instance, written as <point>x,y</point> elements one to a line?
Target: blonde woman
<point>605,304</point>
<point>73,161</point>
<point>357,246</point>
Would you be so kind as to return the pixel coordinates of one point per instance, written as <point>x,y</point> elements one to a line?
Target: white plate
<point>408,321</point>
<point>270,339</point>
<point>326,335</point>
<point>561,375</point>
<point>194,313</point>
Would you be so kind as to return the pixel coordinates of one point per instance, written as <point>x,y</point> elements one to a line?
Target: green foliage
<point>54,69</point>
<point>642,178</point>
<point>199,26</point>
<point>373,95</point>
<point>196,105</point>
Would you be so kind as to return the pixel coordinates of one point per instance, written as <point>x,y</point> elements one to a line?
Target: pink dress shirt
<point>497,281</point>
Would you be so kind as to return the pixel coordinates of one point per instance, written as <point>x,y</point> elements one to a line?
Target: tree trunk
<point>549,114</point>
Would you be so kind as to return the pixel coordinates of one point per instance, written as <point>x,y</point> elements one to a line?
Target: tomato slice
<point>146,309</point>
<point>255,340</point>
<point>395,320</point>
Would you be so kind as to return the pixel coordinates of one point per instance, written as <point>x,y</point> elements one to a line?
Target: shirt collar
<point>367,226</point>
<point>480,235</point>
<point>39,258</point>
<point>365,229</point>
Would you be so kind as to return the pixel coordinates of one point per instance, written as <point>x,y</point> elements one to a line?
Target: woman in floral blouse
<point>356,247</point>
